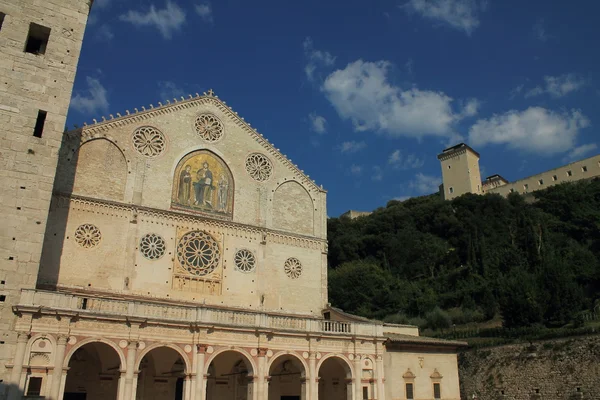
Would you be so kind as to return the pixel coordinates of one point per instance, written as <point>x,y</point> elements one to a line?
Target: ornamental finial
<point>210,92</point>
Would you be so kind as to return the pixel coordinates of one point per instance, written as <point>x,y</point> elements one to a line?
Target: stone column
<point>349,388</point>
<point>17,370</point>
<point>304,389</point>
<point>357,377</point>
<point>260,376</point>
<point>57,373</point>
<point>129,370</point>
<point>379,375</point>
<point>187,387</point>
<point>200,381</point>
<point>121,385</point>
<point>313,378</point>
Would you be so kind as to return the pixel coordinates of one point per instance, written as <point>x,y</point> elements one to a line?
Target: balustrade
<point>206,315</point>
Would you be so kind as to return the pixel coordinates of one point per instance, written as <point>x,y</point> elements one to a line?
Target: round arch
<point>346,363</point>
<point>287,353</point>
<point>155,346</point>
<point>203,182</point>
<point>78,345</point>
<point>37,336</point>
<point>192,149</point>
<point>97,136</point>
<point>243,352</point>
<point>280,184</point>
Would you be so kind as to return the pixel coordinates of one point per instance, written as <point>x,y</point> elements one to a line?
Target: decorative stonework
<point>152,246</point>
<point>245,261</point>
<point>148,141</point>
<point>198,253</point>
<point>87,236</point>
<point>293,268</point>
<point>259,167</point>
<point>209,127</point>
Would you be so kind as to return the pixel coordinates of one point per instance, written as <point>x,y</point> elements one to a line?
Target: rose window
<point>259,167</point>
<point>293,267</point>
<point>148,141</point>
<point>198,253</point>
<point>245,261</point>
<point>87,236</point>
<point>209,127</point>
<point>152,246</point>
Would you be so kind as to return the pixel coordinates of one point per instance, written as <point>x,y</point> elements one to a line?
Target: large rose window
<point>198,253</point>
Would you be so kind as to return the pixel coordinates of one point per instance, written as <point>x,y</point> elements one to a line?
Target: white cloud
<point>94,101</point>
<point>534,130</point>
<point>400,161</point>
<point>104,33</point>
<point>580,152</point>
<point>352,147</point>
<point>204,10</point>
<point>402,198</point>
<point>317,123</point>
<point>316,58</point>
<point>168,90</point>
<point>166,20</point>
<point>558,86</point>
<point>377,174</point>
<point>539,31</point>
<point>362,93</point>
<point>459,14</point>
<point>516,91</point>
<point>356,169</point>
<point>425,184</point>
<point>471,108</point>
<point>101,3</point>
<point>409,65</point>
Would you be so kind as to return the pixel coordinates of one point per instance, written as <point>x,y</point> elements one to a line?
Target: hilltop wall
<point>554,369</point>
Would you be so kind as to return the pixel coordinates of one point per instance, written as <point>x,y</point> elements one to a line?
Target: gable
<point>146,115</point>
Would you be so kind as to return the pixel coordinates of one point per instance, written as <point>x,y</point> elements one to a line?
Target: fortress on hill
<point>460,175</point>
<point>169,253</point>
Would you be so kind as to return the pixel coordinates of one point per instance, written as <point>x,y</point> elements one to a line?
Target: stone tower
<point>460,171</point>
<point>40,42</point>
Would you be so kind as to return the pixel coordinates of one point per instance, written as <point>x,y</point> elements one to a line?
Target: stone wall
<point>549,370</point>
<point>31,80</point>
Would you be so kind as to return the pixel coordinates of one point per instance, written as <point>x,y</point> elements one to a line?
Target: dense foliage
<point>533,260</point>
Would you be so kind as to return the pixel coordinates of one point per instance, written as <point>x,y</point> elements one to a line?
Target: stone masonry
<point>549,370</point>
<point>28,83</point>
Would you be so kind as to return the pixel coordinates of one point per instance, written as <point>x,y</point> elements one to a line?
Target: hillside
<point>474,259</point>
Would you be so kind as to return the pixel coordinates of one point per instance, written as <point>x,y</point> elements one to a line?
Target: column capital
<point>262,351</point>
<point>201,348</point>
<point>349,381</point>
<point>132,345</point>
<point>23,337</point>
<point>61,340</point>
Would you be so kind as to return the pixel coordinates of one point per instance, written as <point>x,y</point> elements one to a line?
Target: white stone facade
<point>176,255</point>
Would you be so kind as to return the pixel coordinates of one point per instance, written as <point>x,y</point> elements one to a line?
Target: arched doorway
<point>335,379</point>
<point>161,375</point>
<point>94,371</point>
<point>229,377</point>
<point>287,379</point>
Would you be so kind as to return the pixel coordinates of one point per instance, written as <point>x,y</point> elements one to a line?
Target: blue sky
<point>363,95</point>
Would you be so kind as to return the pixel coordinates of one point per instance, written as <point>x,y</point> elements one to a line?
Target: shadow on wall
<point>55,234</point>
<point>10,390</point>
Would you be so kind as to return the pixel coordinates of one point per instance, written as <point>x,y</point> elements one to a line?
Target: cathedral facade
<point>183,256</point>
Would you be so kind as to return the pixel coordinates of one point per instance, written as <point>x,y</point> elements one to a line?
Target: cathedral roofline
<point>191,101</point>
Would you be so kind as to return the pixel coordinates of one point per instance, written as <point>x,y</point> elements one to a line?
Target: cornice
<point>99,127</point>
<point>142,213</point>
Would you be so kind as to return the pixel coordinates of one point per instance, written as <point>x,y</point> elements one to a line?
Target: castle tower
<point>40,42</point>
<point>460,171</point>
